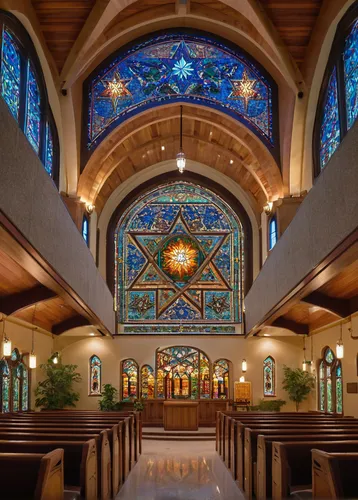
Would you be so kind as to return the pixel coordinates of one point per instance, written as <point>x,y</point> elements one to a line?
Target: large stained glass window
<point>337,109</point>
<point>269,376</point>
<point>147,382</point>
<point>221,379</point>
<point>5,386</point>
<point>179,263</point>
<point>14,384</point>
<point>129,379</point>
<point>95,376</point>
<point>273,235</point>
<point>22,88</point>
<point>180,66</point>
<point>330,383</point>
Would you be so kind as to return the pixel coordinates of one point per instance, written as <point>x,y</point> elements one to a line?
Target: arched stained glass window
<point>147,382</point>
<point>22,87</point>
<point>129,379</point>
<point>330,383</point>
<point>273,234</point>
<point>180,65</point>
<point>95,376</point>
<point>204,376</point>
<point>5,386</point>
<point>269,376</point>
<point>85,229</point>
<point>337,108</point>
<point>23,375</point>
<point>221,379</point>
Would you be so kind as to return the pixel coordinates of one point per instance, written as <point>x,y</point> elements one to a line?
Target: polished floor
<point>174,470</point>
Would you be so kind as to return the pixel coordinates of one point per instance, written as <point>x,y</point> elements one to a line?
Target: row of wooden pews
<point>269,454</point>
<point>99,449</point>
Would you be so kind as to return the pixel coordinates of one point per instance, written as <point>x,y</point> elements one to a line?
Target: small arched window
<point>129,373</point>
<point>330,388</point>
<point>273,236</point>
<point>22,86</point>
<point>85,229</point>
<point>147,382</point>
<point>221,379</point>
<point>269,376</point>
<point>337,107</point>
<point>5,386</point>
<point>95,378</point>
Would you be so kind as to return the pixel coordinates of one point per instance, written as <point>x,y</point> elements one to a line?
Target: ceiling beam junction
<point>288,324</point>
<point>337,307</point>
<point>21,300</point>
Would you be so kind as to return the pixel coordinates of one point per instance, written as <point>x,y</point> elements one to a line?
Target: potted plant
<point>139,404</point>
<point>108,401</point>
<point>298,384</point>
<point>271,405</point>
<point>55,392</point>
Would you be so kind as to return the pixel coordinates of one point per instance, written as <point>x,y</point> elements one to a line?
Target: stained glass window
<point>204,376</point>
<point>179,262</point>
<point>10,72</point>
<point>23,375</point>
<point>95,376</point>
<point>272,232</point>
<point>350,58</point>
<point>172,66</point>
<point>221,379</point>
<point>129,379</point>
<point>147,382</point>
<point>33,110</point>
<point>85,229</point>
<point>15,391</point>
<point>330,383</point>
<point>330,128</point>
<point>269,376</point>
<point>5,386</point>
<point>49,152</point>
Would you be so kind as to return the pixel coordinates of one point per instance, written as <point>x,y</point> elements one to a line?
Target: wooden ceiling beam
<point>15,302</point>
<point>293,326</point>
<point>68,324</point>
<point>338,307</point>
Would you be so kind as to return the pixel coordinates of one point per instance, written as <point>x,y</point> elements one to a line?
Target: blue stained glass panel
<point>85,229</point>
<point>33,110</point>
<point>10,73</point>
<point>272,232</point>
<point>49,151</point>
<point>350,60</point>
<point>330,136</point>
<point>269,376</point>
<point>179,66</point>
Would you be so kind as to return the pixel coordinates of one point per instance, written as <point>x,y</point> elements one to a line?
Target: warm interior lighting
<point>244,365</point>
<point>32,360</point>
<point>339,346</point>
<point>242,378</point>
<point>6,346</point>
<point>163,148</point>
<point>92,334</point>
<point>181,160</point>
<point>89,207</point>
<point>267,335</point>
<point>231,162</point>
<point>55,358</point>
<point>304,365</point>
<point>268,207</point>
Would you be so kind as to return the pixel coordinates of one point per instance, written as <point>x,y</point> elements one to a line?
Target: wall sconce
<point>268,207</point>
<point>340,346</point>
<point>244,366</point>
<point>6,342</point>
<point>89,207</point>
<point>242,378</point>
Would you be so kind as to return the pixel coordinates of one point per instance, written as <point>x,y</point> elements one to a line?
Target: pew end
<point>334,475</point>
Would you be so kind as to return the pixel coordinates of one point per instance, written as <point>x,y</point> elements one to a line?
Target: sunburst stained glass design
<point>129,379</point>
<point>179,259</point>
<point>269,376</point>
<point>147,382</point>
<point>33,110</point>
<point>330,136</point>
<point>95,378</point>
<point>179,66</point>
<point>350,61</point>
<point>5,386</point>
<point>10,72</point>
<point>182,372</point>
<point>221,380</point>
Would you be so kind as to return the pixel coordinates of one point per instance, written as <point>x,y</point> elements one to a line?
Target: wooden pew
<point>32,476</point>
<point>264,454</point>
<point>80,462</point>
<point>292,464</point>
<point>334,475</point>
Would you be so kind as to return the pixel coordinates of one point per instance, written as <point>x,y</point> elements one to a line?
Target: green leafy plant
<point>55,392</point>
<point>298,384</point>
<point>139,404</point>
<point>108,401</point>
<point>271,405</point>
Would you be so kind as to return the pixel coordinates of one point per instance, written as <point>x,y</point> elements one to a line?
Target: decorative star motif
<point>244,89</point>
<point>182,69</point>
<point>219,304</point>
<point>141,304</point>
<point>116,89</point>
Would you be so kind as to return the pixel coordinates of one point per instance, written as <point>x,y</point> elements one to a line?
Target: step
<point>178,438</point>
<point>179,433</point>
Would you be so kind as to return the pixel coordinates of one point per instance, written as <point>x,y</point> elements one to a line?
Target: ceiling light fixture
<point>32,357</point>
<point>163,148</point>
<point>340,346</point>
<point>244,366</point>
<point>181,160</point>
<point>6,342</point>
<point>231,162</point>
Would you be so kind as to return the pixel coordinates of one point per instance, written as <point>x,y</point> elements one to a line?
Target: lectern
<point>181,415</point>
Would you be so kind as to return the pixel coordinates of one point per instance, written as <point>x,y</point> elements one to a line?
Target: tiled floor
<point>179,471</point>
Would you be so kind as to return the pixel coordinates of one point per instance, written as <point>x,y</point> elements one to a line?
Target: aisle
<point>175,470</point>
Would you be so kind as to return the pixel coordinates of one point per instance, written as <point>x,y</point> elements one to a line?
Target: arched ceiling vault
<point>210,138</point>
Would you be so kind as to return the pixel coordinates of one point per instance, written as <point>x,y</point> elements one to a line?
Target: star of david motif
<point>206,277</point>
<point>244,89</point>
<point>116,89</point>
<point>219,304</point>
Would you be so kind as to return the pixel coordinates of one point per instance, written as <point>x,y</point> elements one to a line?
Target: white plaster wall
<point>285,351</point>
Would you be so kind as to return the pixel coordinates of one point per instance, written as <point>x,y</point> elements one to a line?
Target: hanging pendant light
<point>181,160</point>
<point>243,366</point>
<point>304,362</point>
<point>32,358</point>
<point>6,342</point>
<point>339,346</point>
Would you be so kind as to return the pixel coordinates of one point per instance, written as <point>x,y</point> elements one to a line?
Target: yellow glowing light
<point>180,258</point>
